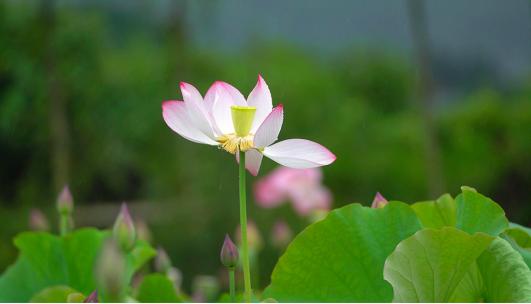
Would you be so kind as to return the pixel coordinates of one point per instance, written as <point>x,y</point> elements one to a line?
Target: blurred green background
<point>415,99</point>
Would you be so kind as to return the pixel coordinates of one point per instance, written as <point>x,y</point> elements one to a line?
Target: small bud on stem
<point>65,207</point>
<point>124,230</point>
<point>379,201</point>
<point>229,253</point>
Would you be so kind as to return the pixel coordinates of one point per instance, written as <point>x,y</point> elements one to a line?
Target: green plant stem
<point>64,224</point>
<point>243,225</point>
<point>232,286</point>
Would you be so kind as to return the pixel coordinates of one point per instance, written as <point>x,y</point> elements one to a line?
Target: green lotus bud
<point>162,261</point>
<point>110,272</point>
<point>229,253</point>
<point>92,298</point>
<point>65,202</point>
<point>124,230</point>
<point>379,201</point>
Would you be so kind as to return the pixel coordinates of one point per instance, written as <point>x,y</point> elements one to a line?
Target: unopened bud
<point>175,275</point>
<point>110,272</point>
<point>38,221</point>
<point>229,253</point>
<point>379,201</point>
<point>92,298</point>
<point>162,261</point>
<point>124,229</point>
<point>281,235</point>
<point>65,202</point>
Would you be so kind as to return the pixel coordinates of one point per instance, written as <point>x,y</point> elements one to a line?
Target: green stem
<point>64,225</point>
<point>232,286</point>
<point>243,225</point>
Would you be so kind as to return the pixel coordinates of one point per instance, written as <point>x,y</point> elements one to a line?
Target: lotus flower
<point>302,187</point>
<point>224,118</point>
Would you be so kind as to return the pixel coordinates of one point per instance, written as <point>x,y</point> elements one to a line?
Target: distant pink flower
<point>224,118</point>
<point>281,234</point>
<point>300,186</point>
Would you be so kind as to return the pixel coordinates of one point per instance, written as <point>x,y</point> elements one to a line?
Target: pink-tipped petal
<point>196,109</point>
<point>299,154</point>
<point>260,97</point>
<point>268,131</point>
<point>253,159</point>
<point>176,117</point>
<point>219,99</point>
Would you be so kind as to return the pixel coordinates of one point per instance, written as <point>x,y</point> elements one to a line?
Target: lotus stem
<point>243,225</point>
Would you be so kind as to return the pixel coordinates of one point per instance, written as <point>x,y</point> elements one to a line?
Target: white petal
<point>196,110</point>
<point>220,97</point>
<point>176,117</point>
<point>299,154</point>
<point>268,131</point>
<point>260,97</point>
<point>253,159</point>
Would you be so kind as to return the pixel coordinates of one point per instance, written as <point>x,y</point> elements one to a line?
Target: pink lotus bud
<point>124,229</point>
<point>229,253</point>
<point>379,201</point>
<point>92,298</point>
<point>38,221</point>
<point>162,261</point>
<point>281,235</point>
<point>65,202</point>
<point>175,275</point>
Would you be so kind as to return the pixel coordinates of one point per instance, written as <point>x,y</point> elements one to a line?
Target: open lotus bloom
<point>302,187</point>
<point>224,118</point>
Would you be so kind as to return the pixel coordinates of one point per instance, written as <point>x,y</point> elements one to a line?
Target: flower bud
<point>65,203</point>
<point>281,234</point>
<point>124,230</point>
<point>229,253</point>
<point>379,201</point>
<point>175,275</point>
<point>38,221</point>
<point>110,272</point>
<point>162,261</point>
<point>92,298</point>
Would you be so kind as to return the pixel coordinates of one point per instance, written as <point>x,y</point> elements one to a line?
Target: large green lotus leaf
<point>47,260</point>
<point>428,266</point>
<point>438,213</point>
<point>157,288</point>
<point>341,258</point>
<point>520,240</point>
<point>54,294</point>
<point>477,213</point>
<point>506,277</point>
<point>449,265</point>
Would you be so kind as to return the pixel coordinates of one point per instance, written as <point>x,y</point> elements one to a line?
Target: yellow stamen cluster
<point>233,143</point>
